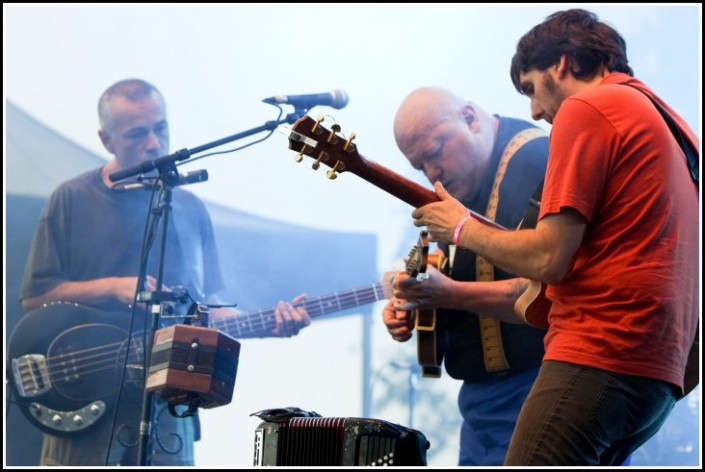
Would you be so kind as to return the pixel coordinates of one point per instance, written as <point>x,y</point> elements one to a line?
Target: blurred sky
<point>215,63</point>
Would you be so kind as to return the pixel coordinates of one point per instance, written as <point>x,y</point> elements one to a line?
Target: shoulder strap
<point>690,153</point>
<point>490,328</point>
<point>531,215</point>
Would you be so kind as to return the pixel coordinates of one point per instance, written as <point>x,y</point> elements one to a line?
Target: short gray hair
<point>131,89</point>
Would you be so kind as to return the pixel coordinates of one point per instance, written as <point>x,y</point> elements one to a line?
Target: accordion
<point>319,441</point>
<point>193,364</point>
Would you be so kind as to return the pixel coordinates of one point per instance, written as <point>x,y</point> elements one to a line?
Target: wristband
<point>459,228</point>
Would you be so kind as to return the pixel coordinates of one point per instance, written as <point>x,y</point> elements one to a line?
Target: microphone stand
<point>169,177</point>
<point>184,154</point>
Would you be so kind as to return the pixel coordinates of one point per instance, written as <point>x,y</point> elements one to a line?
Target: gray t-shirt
<point>88,231</point>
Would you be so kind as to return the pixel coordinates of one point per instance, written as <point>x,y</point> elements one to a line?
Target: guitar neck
<point>405,189</point>
<point>338,152</point>
<point>261,322</point>
<point>395,184</point>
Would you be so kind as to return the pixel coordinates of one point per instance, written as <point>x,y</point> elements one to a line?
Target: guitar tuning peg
<point>320,118</point>
<point>322,156</point>
<point>349,141</point>
<point>331,174</point>
<point>336,127</point>
<point>299,157</point>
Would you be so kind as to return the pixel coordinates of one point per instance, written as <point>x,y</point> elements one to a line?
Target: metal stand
<point>155,300</point>
<point>168,176</point>
<point>184,154</point>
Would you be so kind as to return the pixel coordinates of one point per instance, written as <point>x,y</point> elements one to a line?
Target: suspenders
<point>490,328</point>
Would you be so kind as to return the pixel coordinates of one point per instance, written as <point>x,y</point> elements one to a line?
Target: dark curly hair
<point>588,43</point>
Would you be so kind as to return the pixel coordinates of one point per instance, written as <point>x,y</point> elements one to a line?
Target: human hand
<point>290,317</point>
<point>413,293</point>
<point>399,323</point>
<point>440,218</point>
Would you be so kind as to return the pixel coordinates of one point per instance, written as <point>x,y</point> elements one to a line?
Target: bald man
<point>493,164</point>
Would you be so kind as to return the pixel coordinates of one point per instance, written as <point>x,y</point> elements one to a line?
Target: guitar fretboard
<point>261,322</point>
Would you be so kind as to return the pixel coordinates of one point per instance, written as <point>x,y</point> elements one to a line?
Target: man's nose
<point>153,142</point>
<point>433,172</point>
<point>537,111</point>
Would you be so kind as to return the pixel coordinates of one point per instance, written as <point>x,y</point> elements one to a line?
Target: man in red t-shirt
<point>616,246</point>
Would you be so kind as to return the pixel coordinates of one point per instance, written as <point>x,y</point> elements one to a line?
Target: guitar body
<point>64,362</point>
<point>429,351</point>
<point>533,306</point>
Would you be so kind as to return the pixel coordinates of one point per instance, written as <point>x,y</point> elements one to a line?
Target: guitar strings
<point>262,321</point>
<point>67,367</point>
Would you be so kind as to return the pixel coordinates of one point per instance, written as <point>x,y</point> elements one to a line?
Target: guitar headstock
<point>418,257</point>
<point>309,138</point>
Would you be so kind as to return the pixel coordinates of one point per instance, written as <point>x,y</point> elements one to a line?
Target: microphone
<point>337,99</point>
<point>192,177</point>
<point>184,178</point>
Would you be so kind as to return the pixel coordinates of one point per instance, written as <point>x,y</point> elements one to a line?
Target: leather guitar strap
<point>490,328</point>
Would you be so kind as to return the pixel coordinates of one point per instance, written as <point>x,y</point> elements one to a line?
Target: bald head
<point>446,137</point>
<point>424,108</point>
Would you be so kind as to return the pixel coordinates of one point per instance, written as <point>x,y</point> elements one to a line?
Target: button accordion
<point>319,441</point>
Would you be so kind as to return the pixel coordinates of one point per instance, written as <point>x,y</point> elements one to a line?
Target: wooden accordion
<point>193,363</point>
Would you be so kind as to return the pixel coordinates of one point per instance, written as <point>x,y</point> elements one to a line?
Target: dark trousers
<point>582,416</point>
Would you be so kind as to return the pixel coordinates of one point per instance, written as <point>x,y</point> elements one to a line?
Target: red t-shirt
<point>629,302</point>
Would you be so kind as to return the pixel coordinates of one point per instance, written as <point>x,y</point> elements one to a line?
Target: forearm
<point>544,254</point>
<point>90,293</point>
<point>514,253</point>
<point>495,299</point>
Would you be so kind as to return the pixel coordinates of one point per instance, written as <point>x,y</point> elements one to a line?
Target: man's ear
<point>563,66</point>
<point>105,139</point>
<point>470,116</point>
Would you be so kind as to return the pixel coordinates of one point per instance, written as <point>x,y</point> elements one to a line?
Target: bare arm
<point>109,290</point>
<point>494,299</point>
<point>543,254</point>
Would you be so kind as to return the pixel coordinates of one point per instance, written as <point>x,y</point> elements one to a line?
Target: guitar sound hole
<point>83,362</point>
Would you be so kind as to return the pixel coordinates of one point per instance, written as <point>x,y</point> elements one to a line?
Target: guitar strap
<point>691,155</point>
<point>692,368</point>
<point>531,215</point>
<point>490,328</point>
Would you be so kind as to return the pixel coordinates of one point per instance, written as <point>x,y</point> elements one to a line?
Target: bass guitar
<point>308,137</point>
<point>65,359</point>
